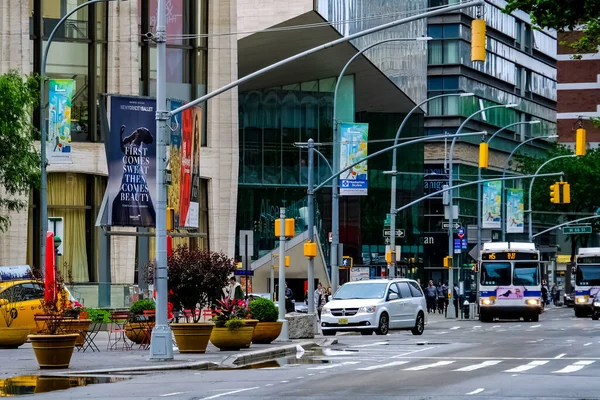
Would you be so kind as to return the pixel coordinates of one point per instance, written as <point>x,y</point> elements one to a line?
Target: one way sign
<point>399,233</point>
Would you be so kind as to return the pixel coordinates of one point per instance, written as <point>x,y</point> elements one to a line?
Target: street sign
<point>399,233</point>
<point>577,229</point>
<point>388,220</point>
<point>455,225</point>
<point>460,233</point>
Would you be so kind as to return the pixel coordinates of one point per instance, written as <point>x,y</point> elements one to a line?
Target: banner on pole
<point>186,167</point>
<point>514,211</point>
<point>131,157</point>
<point>194,209</point>
<point>59,120</point>
<point>353,143</point>
<point>490,204</point>
<point>174,164</point>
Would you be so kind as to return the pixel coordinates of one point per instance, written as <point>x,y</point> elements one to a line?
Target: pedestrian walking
<point>456,298</point>
<point>441,300</point>
<point>554,294</point>
<point>431,297</point>
<point>318,299</point>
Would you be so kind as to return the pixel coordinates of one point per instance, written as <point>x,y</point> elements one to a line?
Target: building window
<point>444,52</point>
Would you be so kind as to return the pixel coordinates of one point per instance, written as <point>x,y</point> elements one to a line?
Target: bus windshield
<point>588,275</point>
<point>495,273</point>
<point>526,274</point>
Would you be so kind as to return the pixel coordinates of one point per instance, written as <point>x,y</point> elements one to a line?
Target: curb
<point>235,360</point>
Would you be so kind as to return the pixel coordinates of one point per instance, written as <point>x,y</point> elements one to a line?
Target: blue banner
<point>174,163</point>
<point>353,143</point>
<point>131,157</point>
<point>60,106</point>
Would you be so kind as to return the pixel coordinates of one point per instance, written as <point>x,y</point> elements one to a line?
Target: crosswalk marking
<point>335,365</point>
<point>372,367</point>
<point>478,366</point>
<point>426,366</point>
<point>370,344</point>
<point>527,367</point>
<point>574,367</point>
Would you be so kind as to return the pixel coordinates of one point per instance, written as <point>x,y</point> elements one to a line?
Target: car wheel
<point>484,317</point>
<point>419,325</point>
<point>579,314</point>
<point>384,325</point>
<point>366,333</point>
<point>595,316</point>
<point>329,333</point>
<point>534,318</point>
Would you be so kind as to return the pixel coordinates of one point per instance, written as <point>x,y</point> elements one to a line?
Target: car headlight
<point>368,309</point>
<point>581,300</point>
<point>532,302</point>
<point>597,304</point>
<point>487,302</point>
<point>325,310</point>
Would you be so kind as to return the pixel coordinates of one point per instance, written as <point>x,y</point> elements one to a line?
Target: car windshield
<point>374,290</point>
<point>588,275</point>
<point>495,273</point>
<point>526,274</point>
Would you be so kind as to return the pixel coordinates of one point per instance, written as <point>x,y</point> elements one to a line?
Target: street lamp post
<point>450,182</point>
<point>503,201</point>
<point>530,219</point>
<point>335,196</point>
<point>479,178</point>
<point>394,173</point>
<point>43,137</point>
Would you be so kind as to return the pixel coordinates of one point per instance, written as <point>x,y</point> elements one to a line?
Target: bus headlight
<point>533,302</point>
<point>597,304</point>
<point>580,300</point>
<point>487,302</point>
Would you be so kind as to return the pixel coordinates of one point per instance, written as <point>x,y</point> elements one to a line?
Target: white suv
<point>375,305</point>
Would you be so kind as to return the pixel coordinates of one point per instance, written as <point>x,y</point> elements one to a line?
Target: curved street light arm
<point>564,224</point>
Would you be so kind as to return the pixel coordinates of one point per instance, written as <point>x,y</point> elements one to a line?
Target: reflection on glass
<point>495,273</point>
<point>526,274</point>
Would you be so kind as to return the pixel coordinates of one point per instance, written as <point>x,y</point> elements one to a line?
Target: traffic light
<point>310,249</point>
<point>566,195</point>
<point>580,142</point>
<point>483,155</point>
<point>388,257</point>
<point>555,193</point>
<point>448,262</point>
<point>478,40</point>
<point>288,227</point>
<point>170,219</point>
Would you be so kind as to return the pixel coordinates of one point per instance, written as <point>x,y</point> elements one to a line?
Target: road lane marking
<point>372,367</point>
<point>284,381</point>
<point>478,366</point>
<point>171,394</point>
<point>413,352</point>
<point>527,367</point>
<point>477,326</point>
<point>496,326</point>
<point>536,326</point>
<point>560,356</point>
<point>426,366</point>
<point>441,333</point>
<point>269,384</point>
<point>371,344</point>
<point>454,328</point>
<point>475,391</point>
<point>216,396</point>
<point>587,344</point>
<point>334,365</point>
<point>574,367</point>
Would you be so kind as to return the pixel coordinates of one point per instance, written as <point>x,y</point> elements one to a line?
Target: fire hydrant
<point>466,308</point>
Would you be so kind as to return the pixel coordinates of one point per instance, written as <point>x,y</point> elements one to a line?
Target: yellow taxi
<point>21,300</point>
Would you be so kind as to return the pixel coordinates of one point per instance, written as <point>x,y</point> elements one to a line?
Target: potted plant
<point>231,331</point>
<point>138,328</point>
<point>268,328</point>
<point>11,337</point>
<point>196,282</point>
<point>53,347</point>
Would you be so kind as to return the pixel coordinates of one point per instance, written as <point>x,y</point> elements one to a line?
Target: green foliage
<point>98,315</point>
<point>582,175</point>
<point>19,161</point>
<point>230,309</point>
<point>234,323</point>
<point>263,310</point>
<point>562,15</point>
<point>142,305</point>
<point>196,278</point>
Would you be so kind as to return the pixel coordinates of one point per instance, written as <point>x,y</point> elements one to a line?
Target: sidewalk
<point>21,361</point>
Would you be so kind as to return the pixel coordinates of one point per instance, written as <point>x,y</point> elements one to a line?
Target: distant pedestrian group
<point>437,297</point>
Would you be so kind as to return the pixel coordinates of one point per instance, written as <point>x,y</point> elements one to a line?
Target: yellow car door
<point>24,302</point>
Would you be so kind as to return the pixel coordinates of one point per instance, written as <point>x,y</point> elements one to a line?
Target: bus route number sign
<point>508,255</point>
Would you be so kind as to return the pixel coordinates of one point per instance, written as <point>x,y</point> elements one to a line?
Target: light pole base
<point>283,336</point>
<point>161,343</point>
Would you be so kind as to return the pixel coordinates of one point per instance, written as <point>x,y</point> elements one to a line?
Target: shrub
<point>141,305</point>
<point>98,316</point>
<point>263,310</point>
<point>234,324</point>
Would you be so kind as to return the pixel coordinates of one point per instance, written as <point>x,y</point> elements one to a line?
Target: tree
<point>582,175</point>
<point>581,15</point>
<point>19,161</point>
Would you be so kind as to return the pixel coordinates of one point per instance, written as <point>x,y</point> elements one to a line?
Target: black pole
<point>246,261</point>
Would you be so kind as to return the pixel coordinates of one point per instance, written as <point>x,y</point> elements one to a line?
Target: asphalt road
<point>555,358</point>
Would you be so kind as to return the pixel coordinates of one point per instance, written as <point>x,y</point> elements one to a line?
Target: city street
<point>556,358</point>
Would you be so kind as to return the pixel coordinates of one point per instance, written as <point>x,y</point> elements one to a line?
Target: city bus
<point>509,282</point>
<point>587,279</point>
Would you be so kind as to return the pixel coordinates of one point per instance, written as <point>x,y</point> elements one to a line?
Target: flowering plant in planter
<point>231,310</point>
